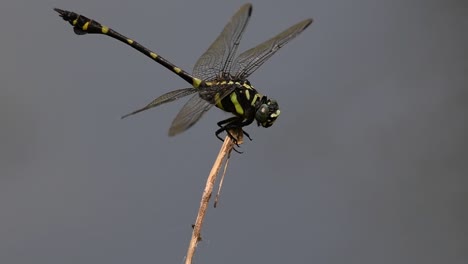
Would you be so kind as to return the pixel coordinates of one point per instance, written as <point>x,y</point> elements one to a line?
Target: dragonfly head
<point>267,112</point>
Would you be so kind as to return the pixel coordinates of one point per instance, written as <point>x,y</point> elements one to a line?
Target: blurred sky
<point>367,163</point>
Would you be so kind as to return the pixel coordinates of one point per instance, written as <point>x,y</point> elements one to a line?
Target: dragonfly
<point>219,77</point>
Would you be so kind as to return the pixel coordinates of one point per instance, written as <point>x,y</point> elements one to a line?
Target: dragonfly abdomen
<point>83,25</point>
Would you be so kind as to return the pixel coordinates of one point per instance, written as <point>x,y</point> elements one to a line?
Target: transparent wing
<point>189,114</point>
<point>218,58</point>
<point>165,98</point>
<point>197,105</point>
<point>250,60</point>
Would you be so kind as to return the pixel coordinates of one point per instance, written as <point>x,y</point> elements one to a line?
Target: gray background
<point>367,163</point>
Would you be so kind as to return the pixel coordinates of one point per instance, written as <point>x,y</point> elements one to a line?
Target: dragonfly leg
<point>246,134</point>
<point>232,123</point>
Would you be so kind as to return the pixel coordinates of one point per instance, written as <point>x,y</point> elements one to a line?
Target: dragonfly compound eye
<point>267,113</point>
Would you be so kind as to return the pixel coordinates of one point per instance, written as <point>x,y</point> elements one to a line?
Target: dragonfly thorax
<point>242,101</point>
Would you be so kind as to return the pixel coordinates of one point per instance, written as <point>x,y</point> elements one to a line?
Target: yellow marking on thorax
<point>85,26</point>
<point>153,55</point>
<point>247,94</point>
<point>247,86</point>
<point>75,21</point>
<point>104,29</point>
<point>177,70</point>
<point>130,41</point>
<point>196,82</point>
<point>236,104</point>
<point>218,101</point>
<point>256,97</point>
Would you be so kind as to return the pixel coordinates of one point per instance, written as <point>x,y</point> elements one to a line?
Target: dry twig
<point>224,153</point>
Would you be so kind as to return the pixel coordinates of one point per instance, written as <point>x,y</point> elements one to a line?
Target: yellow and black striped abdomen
<point>83,25</point>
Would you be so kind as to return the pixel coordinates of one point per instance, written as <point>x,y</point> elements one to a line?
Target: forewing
<point>165,98</point>
<point>218,58</point>
<point>250,60</point>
